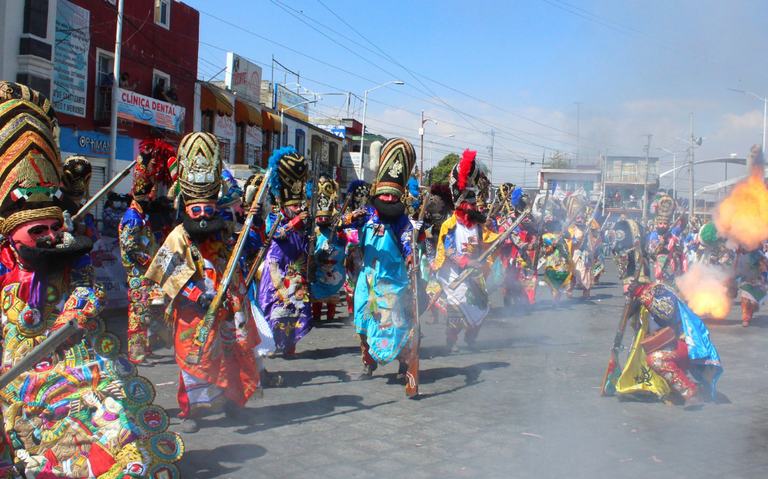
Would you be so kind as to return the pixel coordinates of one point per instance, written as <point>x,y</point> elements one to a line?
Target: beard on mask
<point>49,259</point>
<point>476,217</point>
<point>202,228</point>
<point>388,211</point>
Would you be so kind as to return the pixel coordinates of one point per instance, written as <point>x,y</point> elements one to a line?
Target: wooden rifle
<point>311,227</point>
<point>613,363</point>
<point>263,251</point>
<point>337,218</point>
<point>497,208</point>
<point>412,375</point>
<point>104,191</point>
<point>204,327</point>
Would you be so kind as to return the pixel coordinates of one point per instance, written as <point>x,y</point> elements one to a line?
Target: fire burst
<point>742,218</point>
<point>705,289</point>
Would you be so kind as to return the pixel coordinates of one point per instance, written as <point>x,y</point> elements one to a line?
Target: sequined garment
<point>137,248</point>
<point>87,413</point>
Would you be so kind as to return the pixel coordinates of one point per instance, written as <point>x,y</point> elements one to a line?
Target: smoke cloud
<point>705,289</point>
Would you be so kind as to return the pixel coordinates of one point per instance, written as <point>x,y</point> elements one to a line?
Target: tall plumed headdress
<point>396,161</point>
<point>573,205</point>
<point>76,177</point>
<point>708,234</point>
<point>30,162</point>
<point>198,163</point>
<point>359,190</point>
<point>463,179</point>
<point>483,189</point>
<point>327,195</point>
<point>252,185</point>
<point>289,176</point>
<point>665,209</point>
<point>505,196</point>
<point>151,167</point>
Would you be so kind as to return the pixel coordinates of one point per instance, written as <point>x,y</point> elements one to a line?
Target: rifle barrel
<point>103,192</point>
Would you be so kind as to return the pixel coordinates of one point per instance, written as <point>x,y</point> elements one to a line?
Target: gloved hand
<point>417,225</point>
<point>204,302</point>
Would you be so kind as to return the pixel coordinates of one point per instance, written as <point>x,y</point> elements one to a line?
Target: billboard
<point>338,130</point>
<point>143,109</point>
<point>285,98</point>
<point>70,59</point>
<point>243,77</point>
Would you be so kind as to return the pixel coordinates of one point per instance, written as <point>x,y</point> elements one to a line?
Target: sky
<point>578,77</point>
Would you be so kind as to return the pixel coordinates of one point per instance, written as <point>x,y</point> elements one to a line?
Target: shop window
<point>206,120</point>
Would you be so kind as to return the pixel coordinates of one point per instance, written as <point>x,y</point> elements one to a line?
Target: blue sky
<point>519,67</point>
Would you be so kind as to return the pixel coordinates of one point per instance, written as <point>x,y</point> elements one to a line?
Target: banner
<point>143,109</point>
<point>70,59</point>
<point>243,77</point>
<point>110,272</point>
<point>338,130</point>
<point>285,98</point>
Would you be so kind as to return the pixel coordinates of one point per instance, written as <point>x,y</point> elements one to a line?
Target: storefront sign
<point>92,143</point>
<point>285,98</point>
<point>243,77</point>
<point>143,109</point>
<point>70,59</point>
<point>338,130</point>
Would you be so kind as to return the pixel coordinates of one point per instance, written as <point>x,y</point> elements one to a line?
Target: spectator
<point>125,82</point>
<point>172,97</point>
<point>111,215</point>
<point>159,92</point>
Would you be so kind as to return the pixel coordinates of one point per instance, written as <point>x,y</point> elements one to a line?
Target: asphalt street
<point>525,404</point>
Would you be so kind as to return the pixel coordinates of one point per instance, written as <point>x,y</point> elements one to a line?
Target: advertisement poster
<point>224,126</point>
<point>243,77</point>
<point>285,98</point>
<point>143,109</point>
<point>70,59</point>
<point>110,271</point>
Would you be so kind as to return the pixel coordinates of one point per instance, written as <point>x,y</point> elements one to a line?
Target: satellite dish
<point>698,140</point>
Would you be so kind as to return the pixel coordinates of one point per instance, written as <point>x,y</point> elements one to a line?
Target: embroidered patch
<point>139,391</point>
<point>167,447</point>
<point>121,368</point>
<point>106,345</point>
<point>153,418</point>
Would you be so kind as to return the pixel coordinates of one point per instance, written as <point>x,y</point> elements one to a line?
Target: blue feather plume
<point>309,189</point>
<point>274,161</point>
<point>517,195</point>
<point>354,185</point>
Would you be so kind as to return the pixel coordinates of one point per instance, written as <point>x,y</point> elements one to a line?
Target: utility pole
<point>115,91</point>
<point>645,187</point>
<point>490,150</point>
<point>421,156</point>
<point>578,134</point>
<point>692,199</point>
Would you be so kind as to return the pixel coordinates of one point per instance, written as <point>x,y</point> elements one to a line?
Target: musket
<point>312,225</point>
<point>337,218</point>
<point>263,251</point>
<point>204,328</point>
<point>412,375</point>
<point>539,244</point>
<point>613,363</point>
<point>495,210</point>
<point>51,343</point>
<point>103,192</point>
<point>565,227</point>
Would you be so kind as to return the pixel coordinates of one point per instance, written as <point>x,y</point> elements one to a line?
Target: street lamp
<point>421,155</point>
<point>365,107</point>
<point>431,144</point>
<point>282,123</point>
<point>674,170</point>
<point>765,110</point>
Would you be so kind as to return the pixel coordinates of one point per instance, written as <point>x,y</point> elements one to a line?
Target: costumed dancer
<point>83,411</point>
<point>518,250</point>
<point>190,266</point>
<point>439,208</point>
<point>138,247</point>
<point>75,182</point>
<point>753,283</point>
<point>383,308</point>
<point>353,261</point>
<point>461,242</point>
<point>558,263</point>
<point>664,248</point>
<point>681,343</point>
<point>582,246</point>
<point>626,240</point>
<point>329,251</point>
<point>283,288</point>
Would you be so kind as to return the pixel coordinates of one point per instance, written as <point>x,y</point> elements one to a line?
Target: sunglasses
<point>196,211</point>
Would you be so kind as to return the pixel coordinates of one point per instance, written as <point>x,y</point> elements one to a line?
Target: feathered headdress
<point>354,185</point>
<point>463,179</point>
<point>289,176</point>
<point>517,196</point>
<point>359,191</point>
<point>465,167</point>
<point>274,163</point>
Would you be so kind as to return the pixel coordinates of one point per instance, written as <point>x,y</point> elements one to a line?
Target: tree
<point>558,159</point>
<point>439,174</point>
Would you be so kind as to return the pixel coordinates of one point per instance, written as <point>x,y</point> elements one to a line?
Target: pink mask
<point>28,233</point>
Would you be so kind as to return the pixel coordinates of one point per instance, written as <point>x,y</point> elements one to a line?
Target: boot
<point>694,402</point>
<point>367,373</point>
<point>189,425</point>
<point>745,324</point>
<point>452,347</point>
<point>402,370</point>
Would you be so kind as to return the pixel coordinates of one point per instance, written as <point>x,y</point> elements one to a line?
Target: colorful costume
<point>664,248</point>
<point>353,261</point>
<point>558,262</point>
<point>75,182</point>
<point>218,367</point>
<point>138,247</point>
<point>582,246</point>
<point>383,311</point>
<point>86,412</point>
<point>462,239</point>
<point>283,292</point>
<point>753,283</point>
<point>329,251</point>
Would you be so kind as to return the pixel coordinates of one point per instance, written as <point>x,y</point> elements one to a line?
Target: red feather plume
<point>160,152</point>
<point>465,166</point>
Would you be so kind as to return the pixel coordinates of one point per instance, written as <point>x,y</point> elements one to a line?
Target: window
<point>157,77</point>
<point>240,132</point>
<point>207,122</point>
<point>104,69</point>
<point>104,65</point>
<point>36,17</point>
<point>163,12</point>
<point>300,141</point>
<point>629,172</point>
